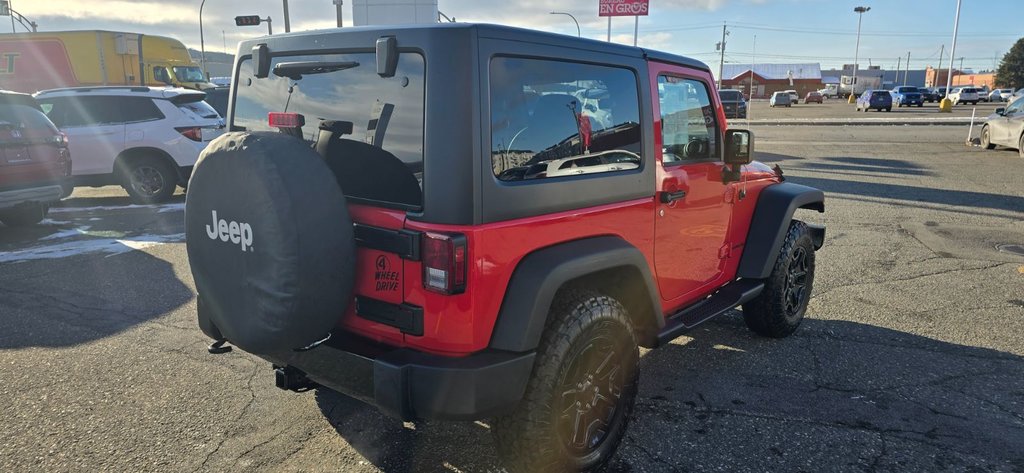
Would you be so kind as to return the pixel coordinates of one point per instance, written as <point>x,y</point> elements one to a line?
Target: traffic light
<point>247,20</point>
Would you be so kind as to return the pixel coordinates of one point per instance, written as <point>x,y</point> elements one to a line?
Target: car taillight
<point>286,120</point>
<point>193,133</point>
<point>444,262</point>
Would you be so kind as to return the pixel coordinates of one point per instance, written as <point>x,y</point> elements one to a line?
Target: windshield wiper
<point>295,70</point>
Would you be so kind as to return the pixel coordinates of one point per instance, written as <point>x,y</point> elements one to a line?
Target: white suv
<point>145,139</point>
<point>961,95</point>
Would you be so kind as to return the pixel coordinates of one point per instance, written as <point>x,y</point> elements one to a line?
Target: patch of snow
<point>110,246</point>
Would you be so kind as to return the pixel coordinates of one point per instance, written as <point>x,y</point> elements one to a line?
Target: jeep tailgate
<point>382,247</point>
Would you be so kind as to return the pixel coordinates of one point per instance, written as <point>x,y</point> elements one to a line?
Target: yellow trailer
<point>30,62</point>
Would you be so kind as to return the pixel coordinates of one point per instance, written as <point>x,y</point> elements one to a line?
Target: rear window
<point>198,109</point>
<point>969,90</point>
<point>730,95</point>
<point>23,116</point>
<point>876,95</point>
<point>386,116</point>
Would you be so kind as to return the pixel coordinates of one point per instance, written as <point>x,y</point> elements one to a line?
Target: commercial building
<point>769,78</point>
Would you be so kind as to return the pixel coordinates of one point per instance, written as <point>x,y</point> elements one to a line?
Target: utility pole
<point>721,61</point>
<point>202,43</point>
<point>224,38</point>
<point>961,65</point>
<point>338,3</point>
<point>287,24</point>
<point>935,80</point>
<point>899,68</point>
<point>906,74</point>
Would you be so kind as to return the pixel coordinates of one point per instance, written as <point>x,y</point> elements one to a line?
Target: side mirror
<point>1000,111</point>
<point>739,147</point>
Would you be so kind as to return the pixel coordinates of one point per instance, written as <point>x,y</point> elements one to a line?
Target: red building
<point>770,78</point>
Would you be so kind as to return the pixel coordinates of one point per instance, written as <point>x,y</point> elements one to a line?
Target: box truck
<point>30,62</point>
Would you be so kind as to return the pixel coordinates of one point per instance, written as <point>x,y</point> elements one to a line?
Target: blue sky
<point>788,31</point>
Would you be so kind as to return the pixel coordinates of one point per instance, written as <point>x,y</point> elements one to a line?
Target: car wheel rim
<point>796,282</point>
<point>147,180</point>
<point>589,394</point>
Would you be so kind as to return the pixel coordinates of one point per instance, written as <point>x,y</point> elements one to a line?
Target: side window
<point>689,127</point>
<point>555,118</point>
<point>1014,107</point>
<point>160,73</point>
<point>139,109</point>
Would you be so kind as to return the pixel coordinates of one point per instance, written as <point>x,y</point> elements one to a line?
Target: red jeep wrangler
<point>474,221</point>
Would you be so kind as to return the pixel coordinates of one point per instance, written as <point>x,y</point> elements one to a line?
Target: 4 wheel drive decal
<point>238,233</point>
<point>385,278</point>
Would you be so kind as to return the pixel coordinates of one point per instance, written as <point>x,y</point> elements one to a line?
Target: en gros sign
<point>622,8</point>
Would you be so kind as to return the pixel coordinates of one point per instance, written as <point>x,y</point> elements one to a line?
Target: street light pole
<point>947,105</point>
<point>856,51</point>
<point>338,4</point>
<point>570,16</point>
<point>202,43</point>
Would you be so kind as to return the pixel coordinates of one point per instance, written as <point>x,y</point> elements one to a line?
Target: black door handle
<point>668,197</point>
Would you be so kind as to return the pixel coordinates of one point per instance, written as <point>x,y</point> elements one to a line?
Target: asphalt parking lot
<point>911,359</point>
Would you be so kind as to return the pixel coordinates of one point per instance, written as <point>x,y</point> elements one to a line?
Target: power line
<point>753,26</point>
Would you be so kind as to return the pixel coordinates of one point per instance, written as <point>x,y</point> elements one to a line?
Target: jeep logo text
<point>238,233</point>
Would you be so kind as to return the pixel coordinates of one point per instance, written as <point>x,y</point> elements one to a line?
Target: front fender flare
<point>768,227</point>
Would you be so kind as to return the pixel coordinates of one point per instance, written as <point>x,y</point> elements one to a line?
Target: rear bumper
<point>44,194</point>
<point>410,385</point>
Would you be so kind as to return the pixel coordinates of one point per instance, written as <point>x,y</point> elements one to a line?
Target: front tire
<point>779,309</point>
<point>149,180</point>
<point>578,402</point>
<point>986,140</point>
<point>1020,146</point>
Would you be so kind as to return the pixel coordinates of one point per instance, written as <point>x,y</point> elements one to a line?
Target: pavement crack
<point>910,278</point>
<point>883,451</point>
<point>241,414</point>
<point>653,456</point>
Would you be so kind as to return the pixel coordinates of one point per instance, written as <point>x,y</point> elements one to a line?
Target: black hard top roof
<point>485,30</point>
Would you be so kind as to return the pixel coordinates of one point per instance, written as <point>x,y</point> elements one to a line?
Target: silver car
<point>1005,127</point>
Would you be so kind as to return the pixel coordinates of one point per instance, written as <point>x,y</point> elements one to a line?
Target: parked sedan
<point>1005,128</point>
<point>876,99</point>
<point>813,97</point>
<point>780,99</point>
<point>793,96</point>
<point>1000,95</point>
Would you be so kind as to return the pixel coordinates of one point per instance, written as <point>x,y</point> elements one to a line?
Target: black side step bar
<point>726,299</point>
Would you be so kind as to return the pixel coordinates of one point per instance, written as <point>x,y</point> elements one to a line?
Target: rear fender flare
<point>606,263</point>
<point>772,216</point>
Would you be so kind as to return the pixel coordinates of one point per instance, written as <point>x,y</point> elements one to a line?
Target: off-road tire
<point>588,340</point>
<point>986,139</point>
<point>23,215</point>
<point>779,309</point>
<point>149,180</point>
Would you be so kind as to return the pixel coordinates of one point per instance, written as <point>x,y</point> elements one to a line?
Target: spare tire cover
<point>269,240</point>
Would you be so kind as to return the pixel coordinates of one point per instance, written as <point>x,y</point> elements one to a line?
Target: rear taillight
<point>444,262</point>
<point>286,120</point>
<point>193,133</point>
<point>60,139</point>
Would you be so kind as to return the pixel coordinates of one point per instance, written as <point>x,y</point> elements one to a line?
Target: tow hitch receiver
<point>292,379</point>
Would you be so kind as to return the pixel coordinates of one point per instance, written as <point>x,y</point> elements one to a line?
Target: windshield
<point>386,114</point>
<point>188,74</point>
